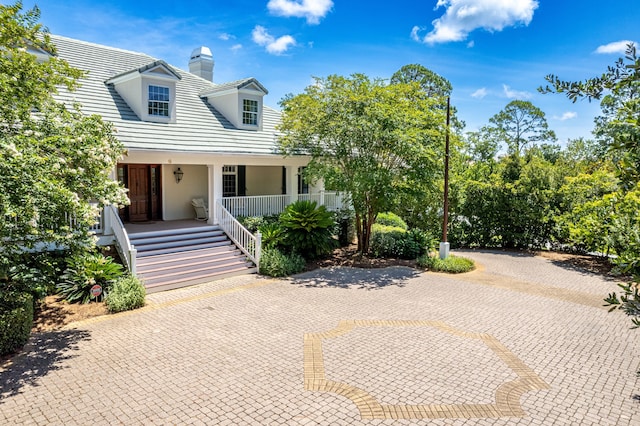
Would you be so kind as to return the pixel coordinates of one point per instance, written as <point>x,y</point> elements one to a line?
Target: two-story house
<point>186,138</point>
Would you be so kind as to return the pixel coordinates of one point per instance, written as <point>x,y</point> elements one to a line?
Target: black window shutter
<point>242,181</point>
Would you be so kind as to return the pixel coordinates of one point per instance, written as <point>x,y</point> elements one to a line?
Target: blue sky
<point>492,51</point>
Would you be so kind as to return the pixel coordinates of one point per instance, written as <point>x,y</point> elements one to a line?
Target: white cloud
<point>615,47</point>
<point>312,10</point>
<point>463,16</point>
<point>566,116</point>
<point>480,93</point>
<point>275,46</point>
<point>414,33</point>
<point>236,47</point>
<point>225,36</point>
<point>471,44</point>
<point>515,94</point>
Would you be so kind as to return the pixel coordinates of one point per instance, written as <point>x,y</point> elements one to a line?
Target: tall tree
<point>375,141</point>
<point>431,83</point>
<point>54,160</point>
<point>519,124</point>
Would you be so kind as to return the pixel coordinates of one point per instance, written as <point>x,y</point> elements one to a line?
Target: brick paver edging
<point>507,396</point>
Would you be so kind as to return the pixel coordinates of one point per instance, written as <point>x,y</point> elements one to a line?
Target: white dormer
<point>239,101</point>
<point>150,91</point>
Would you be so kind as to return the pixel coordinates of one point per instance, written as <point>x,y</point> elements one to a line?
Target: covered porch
<point>163,186</point>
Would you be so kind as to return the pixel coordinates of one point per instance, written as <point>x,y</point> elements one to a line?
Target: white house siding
<point>177,196</point>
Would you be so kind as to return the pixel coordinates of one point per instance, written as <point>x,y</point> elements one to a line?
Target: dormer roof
<point>235,86</point>
<point>157,68</point>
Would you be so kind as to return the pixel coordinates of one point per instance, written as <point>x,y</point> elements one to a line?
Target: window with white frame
<point>229,181</point>
<point>250,112</point>
<point>159,101</point>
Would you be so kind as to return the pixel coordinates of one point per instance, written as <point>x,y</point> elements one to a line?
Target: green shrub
<point>275,263</point>
<point>391,219</point>
<point>83,272</point>
<point>308,228</point>
<point>16,319</point>
<point>253,223</point>
<point>273,235</point>
<point>386,241</point>
<point>415,243</point>
<point>452,264</point>
<point>125,294</point>
<point>35,273</point>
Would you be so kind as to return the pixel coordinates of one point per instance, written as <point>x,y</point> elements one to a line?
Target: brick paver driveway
<point>520,341</point>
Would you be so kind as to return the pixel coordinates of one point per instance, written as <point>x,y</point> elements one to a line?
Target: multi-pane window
<point>159,101</point>
<point>250,112</point>
<point>229,181</point>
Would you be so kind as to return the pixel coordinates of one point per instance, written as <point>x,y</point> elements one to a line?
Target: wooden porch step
<point>197,279</point>
<point>183,245</point>
<point>185,256</point>
<point>180,231</point>
<point>170,238</point>
<point>180,257</point>
<point>177,266</point>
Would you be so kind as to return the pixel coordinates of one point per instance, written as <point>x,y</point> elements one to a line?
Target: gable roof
<point>199,127</point>
<point>234,85</point>
<point>141,70</point>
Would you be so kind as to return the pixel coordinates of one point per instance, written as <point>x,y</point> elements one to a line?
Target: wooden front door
<point>139,192</point>
<point>143,181</point>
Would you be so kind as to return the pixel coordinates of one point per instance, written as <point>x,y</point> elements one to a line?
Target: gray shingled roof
<point>199,127</point>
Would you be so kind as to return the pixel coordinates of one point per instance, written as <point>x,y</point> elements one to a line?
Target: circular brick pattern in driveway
<point>456,378</point>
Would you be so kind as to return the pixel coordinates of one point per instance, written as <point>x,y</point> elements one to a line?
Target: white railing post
<point>237,233</point>
<point>258,250</point>
<point>132,260</point>
<point>126,250</point>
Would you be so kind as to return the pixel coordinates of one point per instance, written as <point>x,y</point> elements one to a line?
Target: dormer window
<point>239,101</point>
<point>250,112</point>
<point>150,91</point>
<point>159,101</point>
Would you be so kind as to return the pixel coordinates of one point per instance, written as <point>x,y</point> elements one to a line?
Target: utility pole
<point>444,245</point>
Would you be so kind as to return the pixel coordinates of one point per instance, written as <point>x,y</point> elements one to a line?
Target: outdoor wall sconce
<point>178,175</point>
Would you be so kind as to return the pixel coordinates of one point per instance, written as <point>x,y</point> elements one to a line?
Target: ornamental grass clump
<point>451,264</point>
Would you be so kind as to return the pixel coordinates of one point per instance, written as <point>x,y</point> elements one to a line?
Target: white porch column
<point>215,190</point>
<point>291,182</point>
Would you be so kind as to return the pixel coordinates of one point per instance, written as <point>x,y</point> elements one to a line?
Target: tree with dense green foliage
<point>432,84</point>
<point>378,142</point>
<point>54,160</point>
<point>619,89</point>
<point>54,169</point>
<point>616,213</point>
<point>520,124</point>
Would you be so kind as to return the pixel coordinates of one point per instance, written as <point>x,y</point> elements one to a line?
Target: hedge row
<point>16,319</point>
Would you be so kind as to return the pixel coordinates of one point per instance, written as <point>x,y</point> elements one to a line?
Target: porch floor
<point>162,225</point>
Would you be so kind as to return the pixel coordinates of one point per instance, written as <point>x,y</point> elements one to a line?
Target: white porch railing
<point>247,242</point>
<point>111,223</point>
<point>262,205</point>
